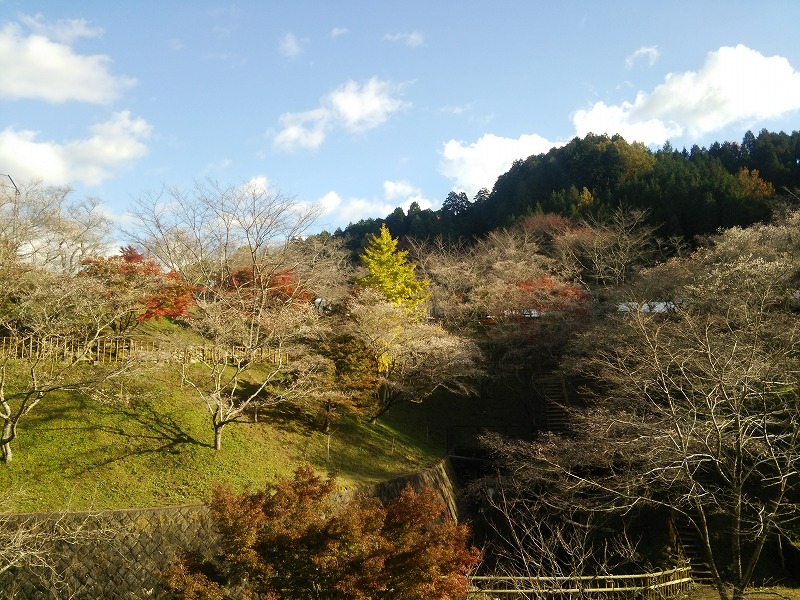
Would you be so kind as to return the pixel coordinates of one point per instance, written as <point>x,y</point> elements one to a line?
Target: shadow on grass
<point>158,426</point>
<point>141,430</point>
<point>381,452</point>
<point>285,416</point>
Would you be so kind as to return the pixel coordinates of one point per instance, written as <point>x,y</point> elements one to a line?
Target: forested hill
<point>688,192</point>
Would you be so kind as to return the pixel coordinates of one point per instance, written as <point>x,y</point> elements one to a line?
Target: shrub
<point>295,541</point>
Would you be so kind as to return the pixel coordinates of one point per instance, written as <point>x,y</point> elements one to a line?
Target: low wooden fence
<point>645,586</point>
<point>114,350</point>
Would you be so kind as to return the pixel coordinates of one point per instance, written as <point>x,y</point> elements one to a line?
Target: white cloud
<point>258,184</point>
<point>735,85</point>
<point>330,202</point>
<point>112,145</point>
<point>649,53</point>
<point>456,110</point>
<point>339,31</point>
<point>353,106</point>
<point>65,31</point>
<point>302,130</point>
<point>602,118</point>
<point>479,164</point>
<point>42,65</point>
<point>290,46</point>
<point>413,39</point>
<point>218,166</point>
<point>392,190</point>
<point>340,211</point>
<point>362,107</point>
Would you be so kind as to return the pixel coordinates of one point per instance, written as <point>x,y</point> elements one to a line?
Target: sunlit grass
<point>151,445</point>
<point>148,442</point>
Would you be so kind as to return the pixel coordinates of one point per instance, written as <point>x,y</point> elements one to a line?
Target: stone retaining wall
<point>116,554</point>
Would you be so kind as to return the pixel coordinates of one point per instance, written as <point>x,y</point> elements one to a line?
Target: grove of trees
<point>684,192</point>
<point>688,410</point>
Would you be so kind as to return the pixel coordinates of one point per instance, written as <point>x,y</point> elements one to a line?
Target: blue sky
<point>365,106</point>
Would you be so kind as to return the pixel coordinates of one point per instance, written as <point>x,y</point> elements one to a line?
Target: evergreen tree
<point>391,273</point>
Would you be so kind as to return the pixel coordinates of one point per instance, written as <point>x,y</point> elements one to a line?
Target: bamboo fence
<point>109,350</point>
<point>646,586</point>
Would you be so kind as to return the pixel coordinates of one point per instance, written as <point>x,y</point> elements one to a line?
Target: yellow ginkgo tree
<point>389,271</point>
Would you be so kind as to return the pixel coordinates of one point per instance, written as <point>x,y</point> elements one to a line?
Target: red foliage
<point>132,256</point>
<point>282,284</point>
<point>430,556</point>
<point>174,299</point>
<point>544,296</point>
<point>131,272</point>
<point>550,295</point>
<point>295,541</point>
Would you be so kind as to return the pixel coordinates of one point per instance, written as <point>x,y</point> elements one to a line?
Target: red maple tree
<point>131,277</point>
<point>295,541</point>
<point>281,284</point>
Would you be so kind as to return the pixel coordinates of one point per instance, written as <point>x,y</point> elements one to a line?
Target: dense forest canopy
<point>687,192</point>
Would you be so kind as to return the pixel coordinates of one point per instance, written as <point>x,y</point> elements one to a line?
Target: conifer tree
<point>391,273</point>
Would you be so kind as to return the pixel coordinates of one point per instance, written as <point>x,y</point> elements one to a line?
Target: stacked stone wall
<point>117,554</point>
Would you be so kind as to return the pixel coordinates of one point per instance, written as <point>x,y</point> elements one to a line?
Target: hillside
<point>687,192</point>
<point>152,447</point>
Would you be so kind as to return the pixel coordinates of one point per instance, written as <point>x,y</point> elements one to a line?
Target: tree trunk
<point>326,423</point>
<point>6,455</point>
<point>705,536</point>
<point>218,435</point>
<point>385,401</point>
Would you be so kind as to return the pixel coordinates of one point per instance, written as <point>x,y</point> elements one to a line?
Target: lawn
<point>151,445</point>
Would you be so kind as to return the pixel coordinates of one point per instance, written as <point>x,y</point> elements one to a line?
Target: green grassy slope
<point>149,443</point>
<point>151,446</point>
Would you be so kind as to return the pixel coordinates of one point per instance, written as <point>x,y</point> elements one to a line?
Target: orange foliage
<point>546,224</point>
<point>295,542</point>
<point>161,294</point>
<point>282,284</point>
<point>753,185</point>
<point>550,295</point>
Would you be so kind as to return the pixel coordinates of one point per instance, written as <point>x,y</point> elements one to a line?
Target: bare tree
<point>243,245</point>
<point>34,544</point>
<point>470,282</point>
<point>606,251</point>
<point>215,227</point>
<point>694,410</point>
<point>50,327</point>
<point>541,531</point>
<point>503,286</point>
<point>45,227</point>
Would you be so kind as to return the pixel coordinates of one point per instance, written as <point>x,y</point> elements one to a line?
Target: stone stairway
<point>551,389</point>
<point>693,550</point>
